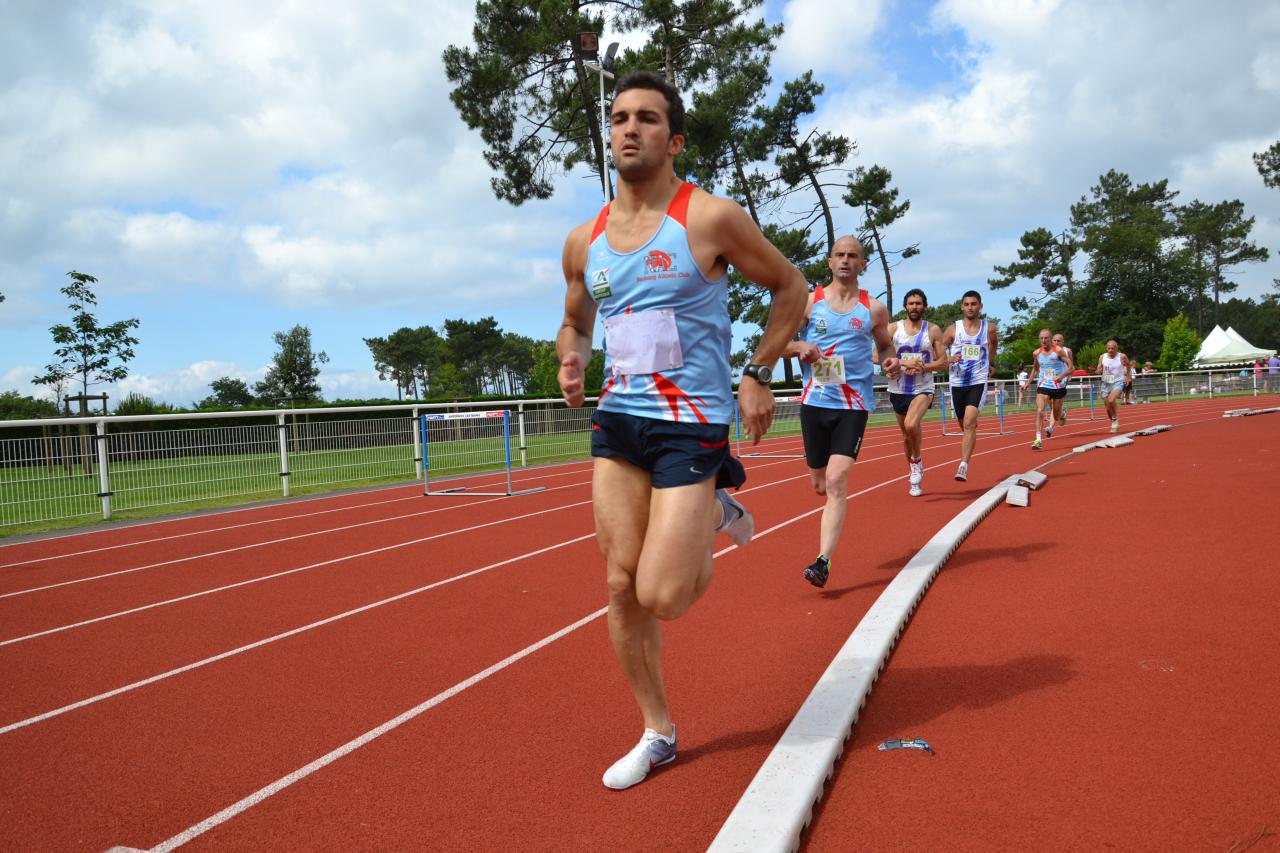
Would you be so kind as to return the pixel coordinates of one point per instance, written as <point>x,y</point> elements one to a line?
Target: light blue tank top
<point>970,371</point>
<point>847,335</point>
<point>663,276</point>
<point>1051,361</point>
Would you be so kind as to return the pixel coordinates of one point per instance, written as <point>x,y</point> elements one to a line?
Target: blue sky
<point>229,170</point>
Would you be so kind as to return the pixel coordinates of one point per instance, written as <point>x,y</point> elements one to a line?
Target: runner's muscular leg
<point>675,561</point>
<point>915,418</point>
<point>837,486</point>
<point>970,433</point>
<point>620,498</point>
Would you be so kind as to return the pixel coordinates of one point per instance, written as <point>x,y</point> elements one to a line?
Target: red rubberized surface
<point>1096,671</point>
<point>514,761</point>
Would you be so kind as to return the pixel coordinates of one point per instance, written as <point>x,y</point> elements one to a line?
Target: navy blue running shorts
<point>966,396</point>
<point>1052,393</point>
<point>830,432</point>
<point>674,453</point>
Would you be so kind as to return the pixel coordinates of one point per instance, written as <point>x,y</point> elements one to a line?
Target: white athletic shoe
<point>1115,425</point>
<point>653,750</point>
<point>962,473</point>
<point>738,524</point>
<point>917,472</point>
<point>915,491</point>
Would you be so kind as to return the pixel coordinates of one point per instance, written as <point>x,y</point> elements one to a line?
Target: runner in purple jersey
<point>918,346</point>
<point>971,346</point>
<point>658,252</point>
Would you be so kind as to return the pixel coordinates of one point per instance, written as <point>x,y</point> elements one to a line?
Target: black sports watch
<point>759,372</point>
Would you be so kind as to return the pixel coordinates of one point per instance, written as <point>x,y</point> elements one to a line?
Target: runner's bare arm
<point>804,350</point>
<point>573,341</point>
<point>939,356</point>
<point>992,341</point>
<point>884,343</point>
<point>735,238</point>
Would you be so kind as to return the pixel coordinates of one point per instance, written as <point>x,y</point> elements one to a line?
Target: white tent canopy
<point>1224,348</point>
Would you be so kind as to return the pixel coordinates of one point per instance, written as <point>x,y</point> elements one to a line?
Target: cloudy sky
<point>231,169</point>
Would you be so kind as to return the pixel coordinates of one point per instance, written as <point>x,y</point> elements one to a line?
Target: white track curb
<point>778,804</point>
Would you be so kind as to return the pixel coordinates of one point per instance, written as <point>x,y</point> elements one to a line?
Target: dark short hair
<point>915,291</point>
<point>658,83</point>
<point>972,293</point>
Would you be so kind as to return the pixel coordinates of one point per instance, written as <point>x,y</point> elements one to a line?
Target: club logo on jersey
<point>600,283</point>
<point>657,261</point>
<point>821,325</point>
<point>855,323</point>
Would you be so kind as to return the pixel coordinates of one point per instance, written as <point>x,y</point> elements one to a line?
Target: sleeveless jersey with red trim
<point>847,335</point>
<point>663,276</point>
<point>1053,362</point>
<point>970,371</point>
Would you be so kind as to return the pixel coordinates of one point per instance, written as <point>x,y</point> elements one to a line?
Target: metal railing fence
<point>56,469</point>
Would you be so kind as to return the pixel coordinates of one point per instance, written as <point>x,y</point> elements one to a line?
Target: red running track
<point>512,761</point>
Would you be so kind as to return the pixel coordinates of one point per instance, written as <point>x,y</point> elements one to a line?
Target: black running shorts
<point>902,402</point>
<point>1053,393</point>
<point>674,453</point>
<point>964,396</point>
<point>830,432</point>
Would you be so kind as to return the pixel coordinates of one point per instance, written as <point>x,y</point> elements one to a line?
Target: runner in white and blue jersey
<point>1116,372</point>
<point>843,326</point>
<point>654,263</point>
<point>918,346</point>
<point>1050,367</point>
<point>971,348</point>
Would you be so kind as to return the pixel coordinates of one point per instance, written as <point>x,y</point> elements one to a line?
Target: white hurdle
<point>464,457</point>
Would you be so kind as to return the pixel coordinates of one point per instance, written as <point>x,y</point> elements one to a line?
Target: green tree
<point>408,357</point>
<point>1043,257</point>
<point>543,375</point>
<point>19,407</point>
<point>523,84</point>
<point>1268,164</point>
<point>475,350</point>
<point>294,369</point>
<point>228,393</point>
<point>1218,237</point>
<point>135,403</point>
<point>803,160</point>
<point>593,376</point>
<point>1181,345</point>
<point>869,190</point>
<point>88,353</point>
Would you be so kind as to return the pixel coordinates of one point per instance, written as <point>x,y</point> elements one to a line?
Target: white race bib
<point>970,352</point>
<point>912,357</point>
<point>829,370</point>
<point>1049,374</point>
<point>647,342</point>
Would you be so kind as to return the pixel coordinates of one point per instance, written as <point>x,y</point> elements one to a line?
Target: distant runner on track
<point>842,327</point>
<point>1117,373</point>
<point>1061,411</point>
<point>971,347</point>
<point>918,347</point>
<point>1049,370</point>
<point>655,263</point>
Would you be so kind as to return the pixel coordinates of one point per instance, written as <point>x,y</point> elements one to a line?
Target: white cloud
<point>834,44</point>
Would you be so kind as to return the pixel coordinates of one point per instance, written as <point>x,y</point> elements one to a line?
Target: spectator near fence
<point>1273,372</point>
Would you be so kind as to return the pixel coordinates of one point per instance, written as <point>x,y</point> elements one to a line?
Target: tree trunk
<point>826,208</point>
<point>742,181</point>
<point>884,262</point>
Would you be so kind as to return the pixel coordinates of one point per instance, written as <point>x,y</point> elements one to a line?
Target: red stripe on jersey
<point>674,396</point>
<point>864,298</point>
<point>679,207</point>
<point>601,221</point>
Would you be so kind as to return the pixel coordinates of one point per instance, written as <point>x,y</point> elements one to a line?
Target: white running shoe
<point>1115,425</point>
<point>962,473</point>
<point>653,750</point>
<point>737,524</point>
<point>917,473</point>
<point>915,491</point>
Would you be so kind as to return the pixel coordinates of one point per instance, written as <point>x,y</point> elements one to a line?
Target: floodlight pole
<point>604,130</point>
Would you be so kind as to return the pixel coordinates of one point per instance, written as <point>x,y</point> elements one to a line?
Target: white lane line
<point>285,781</point>
<point>281,574</point>
<point>264,793</point>
<point>352,745</point>
<point>259,522</point>
<point>276,637</point>
<point>267,542</point>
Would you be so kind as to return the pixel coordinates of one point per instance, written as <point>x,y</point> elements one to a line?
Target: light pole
<point>589,48</point>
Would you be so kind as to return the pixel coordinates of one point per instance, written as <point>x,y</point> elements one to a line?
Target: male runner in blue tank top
<point>1051,366</point>
<point>971,346</point>
<point>841,323</point>
<point>655,264</point>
